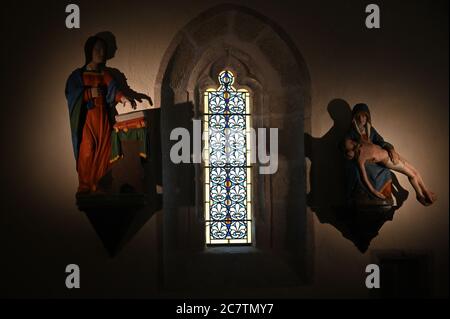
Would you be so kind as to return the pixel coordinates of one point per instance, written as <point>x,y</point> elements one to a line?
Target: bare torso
<point>372,153</point>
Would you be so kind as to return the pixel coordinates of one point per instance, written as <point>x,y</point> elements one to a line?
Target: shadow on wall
<point>327,180</point>
<point>118,76</point>
<point>179,178</point>
<point>117,218</point>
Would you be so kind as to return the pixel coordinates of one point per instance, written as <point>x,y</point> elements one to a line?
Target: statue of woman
<point>92,94</point>
<point>362,130</point>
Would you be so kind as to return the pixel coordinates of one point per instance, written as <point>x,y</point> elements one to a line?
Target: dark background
<point>400,71</point>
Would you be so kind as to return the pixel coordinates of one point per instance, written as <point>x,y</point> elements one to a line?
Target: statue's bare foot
<point>431,197</point>
<point>423,200</point>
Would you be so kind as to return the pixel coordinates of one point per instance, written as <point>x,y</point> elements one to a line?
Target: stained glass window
<point>227,163</point>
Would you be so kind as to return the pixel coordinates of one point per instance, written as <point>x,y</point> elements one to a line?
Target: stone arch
<point>270,66</point>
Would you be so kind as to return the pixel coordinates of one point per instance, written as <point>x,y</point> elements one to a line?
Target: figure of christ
<point>365,152</point>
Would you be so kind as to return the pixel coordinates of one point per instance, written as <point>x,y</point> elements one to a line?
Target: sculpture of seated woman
<point>357,192</point>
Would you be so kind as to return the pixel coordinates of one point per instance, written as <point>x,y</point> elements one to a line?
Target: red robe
<point>95,147</point>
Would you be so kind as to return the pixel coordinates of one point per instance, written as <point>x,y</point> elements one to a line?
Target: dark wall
<point>401,71</point>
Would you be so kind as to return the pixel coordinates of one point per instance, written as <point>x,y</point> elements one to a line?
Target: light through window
<point>227,163</point>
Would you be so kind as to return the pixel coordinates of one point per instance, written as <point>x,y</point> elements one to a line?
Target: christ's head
<point>350,146</point>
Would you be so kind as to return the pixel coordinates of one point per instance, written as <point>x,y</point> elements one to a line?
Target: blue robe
<point>77,108</point>
<point>378,175</point>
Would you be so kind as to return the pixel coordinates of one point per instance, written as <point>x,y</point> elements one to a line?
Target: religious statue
<point>362,130</point>
<point>365,152</point>
<point>370,158</point>
<point>92,94</point>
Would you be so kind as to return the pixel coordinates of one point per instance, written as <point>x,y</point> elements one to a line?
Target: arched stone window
<point>269,67</point>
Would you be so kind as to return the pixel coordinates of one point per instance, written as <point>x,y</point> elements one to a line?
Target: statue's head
<point>349,146</point>
<point>111,43</point>
<point>95,50</point>
<point>361,114</point>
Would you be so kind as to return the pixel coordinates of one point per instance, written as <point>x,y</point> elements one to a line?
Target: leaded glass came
<point>227,163</point>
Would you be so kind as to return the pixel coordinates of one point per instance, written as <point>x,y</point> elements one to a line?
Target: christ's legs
<point>423,195</point>
<point>430,196</point>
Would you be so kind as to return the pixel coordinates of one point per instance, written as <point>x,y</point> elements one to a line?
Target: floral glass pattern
<point>227,163</point>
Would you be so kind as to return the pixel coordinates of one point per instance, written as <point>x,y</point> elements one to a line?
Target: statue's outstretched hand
<point>125,100</point>
<point>141,96</point>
